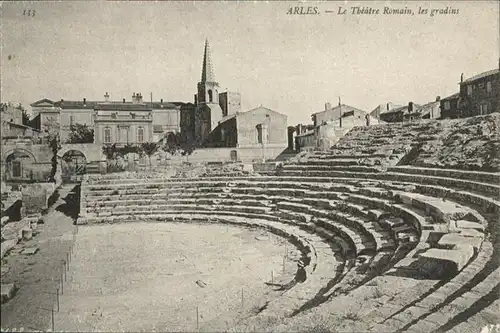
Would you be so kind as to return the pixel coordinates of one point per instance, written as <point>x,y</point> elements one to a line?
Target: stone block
<point>7,245</point>
<point>27,233</point>
<point>462,224</point>
<point>7,291</point>
<point>472,233</point>
<point>13,230</point>
<point>440,263</point>
<point>34,197</point>
<point>4,220</point>
<point>459,241</point>
<point>30,250</point>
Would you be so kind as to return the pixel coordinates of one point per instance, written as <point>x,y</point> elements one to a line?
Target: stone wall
<point>275,123</point>
<point>205,155</point>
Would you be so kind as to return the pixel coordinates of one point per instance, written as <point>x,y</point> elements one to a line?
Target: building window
<point>447,105</point>
<point>16,168</point>
<point>488,87</point>
<point>259,133</point>
<point>469,90</point>
<point>210,97</point>
<point>140,134</point>
<point>483,109</point>
<point>107,135</point>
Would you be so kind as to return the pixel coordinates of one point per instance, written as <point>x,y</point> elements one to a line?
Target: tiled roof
<point>305,134</point>
<point>21,126</point>
<point>482,75</point>
<point>90,105</point>
<point>123,107</point>
<point>401,108</point>
<point>76,104</point>
<point>164,105</point>
<point>337,109</point>
<point>451,96</point>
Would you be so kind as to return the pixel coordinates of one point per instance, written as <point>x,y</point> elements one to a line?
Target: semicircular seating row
<point>432,224</point>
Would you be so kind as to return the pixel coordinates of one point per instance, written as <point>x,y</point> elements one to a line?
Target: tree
<point>25,116</point>
<point>51,128</point>
<point>110,151</point>
<point>172,143</point>
<point>181,144</point>
<point>80,133</point>
<point>149,148</point>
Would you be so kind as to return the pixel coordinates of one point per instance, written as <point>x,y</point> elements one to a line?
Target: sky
<point>292,64</point>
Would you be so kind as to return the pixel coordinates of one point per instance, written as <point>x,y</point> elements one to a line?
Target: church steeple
<point>208,88</point>
<point>207,72</point>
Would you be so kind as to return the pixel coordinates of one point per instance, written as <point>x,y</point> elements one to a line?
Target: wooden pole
<point>57,293</point>
<point>197,319</point>
<point>53,330</point>
<point>62,286</point>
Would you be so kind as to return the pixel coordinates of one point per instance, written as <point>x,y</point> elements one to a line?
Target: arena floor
<point>143,277</point>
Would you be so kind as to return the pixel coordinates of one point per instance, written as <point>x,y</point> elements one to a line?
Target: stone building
<point>257,128</point>
<point>479,94</point>
<point>122,123</point>
<point>305,138</point>
<point>399,114</point>
<point>163,118</point>
<point>383,108</point>
<point>449,106</point>
<point>334,113</point>
<point>230,103</point>
<point>208,112</point>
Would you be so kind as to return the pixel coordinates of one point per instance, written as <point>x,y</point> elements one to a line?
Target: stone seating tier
<point>283,192</point>
<point>240,194</point>
<point>359,243</point>
<point>373,205</point>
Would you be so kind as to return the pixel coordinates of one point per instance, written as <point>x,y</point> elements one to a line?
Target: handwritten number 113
<point>29,12</point>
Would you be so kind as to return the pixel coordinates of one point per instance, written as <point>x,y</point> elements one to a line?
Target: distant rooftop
<point>455,95</point>
<point>482,75</point>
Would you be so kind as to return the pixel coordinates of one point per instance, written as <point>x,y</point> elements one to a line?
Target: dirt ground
<point>37,276</point>
<point>143,276</point>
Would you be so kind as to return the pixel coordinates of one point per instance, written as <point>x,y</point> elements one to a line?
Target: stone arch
<point>19,164</point>
<point>73,163</point>
<point>170,138</point>
<point>69,148</point>
<point>23,150</point>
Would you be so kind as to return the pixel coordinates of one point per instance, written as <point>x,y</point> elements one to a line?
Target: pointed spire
<point>207,72</point>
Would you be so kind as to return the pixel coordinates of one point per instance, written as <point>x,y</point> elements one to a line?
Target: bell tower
<point>208,88</point>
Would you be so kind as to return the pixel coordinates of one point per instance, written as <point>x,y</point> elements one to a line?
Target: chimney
<point>161,101</point>
<point>139,98</point>
<point>387,107</point>
<point>106,97</point>
<point>134,98</point>
<point>438,98</point>
<point>462,78</point>
<point>328,106</point>
<point>124,100</point>
<point>84,101</point>
<point>410,107</point>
